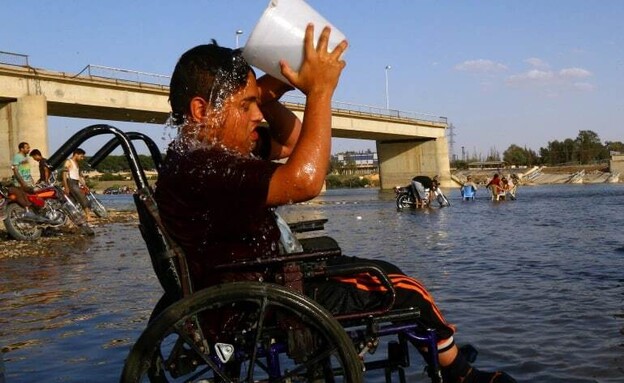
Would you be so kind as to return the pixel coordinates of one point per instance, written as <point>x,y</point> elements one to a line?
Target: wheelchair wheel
<point>244,332</point>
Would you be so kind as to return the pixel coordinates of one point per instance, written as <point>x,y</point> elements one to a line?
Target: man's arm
<point>284,125</point>
<point>66,167</point>
<point>46,173</point>
<point>302,176</point>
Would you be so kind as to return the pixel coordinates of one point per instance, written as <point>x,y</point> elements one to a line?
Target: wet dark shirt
<point>426,182</point>
<point>212,203</point>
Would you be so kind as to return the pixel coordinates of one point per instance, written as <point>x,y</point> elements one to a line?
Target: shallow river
<point>536,284</point>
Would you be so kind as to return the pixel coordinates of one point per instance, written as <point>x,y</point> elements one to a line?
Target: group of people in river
<point>498,187</point>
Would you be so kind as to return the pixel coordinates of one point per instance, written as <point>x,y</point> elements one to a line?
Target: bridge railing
<point>13,59</point>
<point>124,74</point>
<point>163,80</point>
<point>369,110</point>
<point>350,108</point>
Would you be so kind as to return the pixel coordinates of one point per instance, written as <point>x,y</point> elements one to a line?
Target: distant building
<point>487,165</point>
<point>357,162</point>
<point>616,164</point>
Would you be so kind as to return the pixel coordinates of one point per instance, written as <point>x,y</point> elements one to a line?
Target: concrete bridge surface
<point>406,144</point>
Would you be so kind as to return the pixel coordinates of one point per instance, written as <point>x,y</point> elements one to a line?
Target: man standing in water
<point>217,188</point>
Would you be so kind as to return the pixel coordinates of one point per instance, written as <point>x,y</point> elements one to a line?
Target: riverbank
<point>545,175</point>
<point>57,241</point>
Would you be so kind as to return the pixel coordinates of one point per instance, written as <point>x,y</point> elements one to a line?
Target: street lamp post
<point>388,67</point>
<point>238,33</point>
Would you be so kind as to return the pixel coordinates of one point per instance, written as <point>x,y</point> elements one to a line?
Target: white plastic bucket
<point>279,35</point>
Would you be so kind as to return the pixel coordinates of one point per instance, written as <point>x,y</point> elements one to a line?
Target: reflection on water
<point>536,284</point>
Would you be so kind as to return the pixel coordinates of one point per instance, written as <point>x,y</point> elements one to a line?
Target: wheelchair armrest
<point>251,264</point>
<point>304,226</point>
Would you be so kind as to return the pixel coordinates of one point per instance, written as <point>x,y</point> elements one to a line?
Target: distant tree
<point>614,146</point>
<point>334,165</point>
<point>515,155</point>
<point>558,152</point>
<point>116,164</point>
<point>494,155</point>
<point>589,147</point>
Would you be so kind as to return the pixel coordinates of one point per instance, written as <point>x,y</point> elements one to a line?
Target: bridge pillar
<point>23,120</point>
<point>400,161</point>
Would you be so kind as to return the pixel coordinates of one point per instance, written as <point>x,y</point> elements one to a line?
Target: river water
<point>536,284</point>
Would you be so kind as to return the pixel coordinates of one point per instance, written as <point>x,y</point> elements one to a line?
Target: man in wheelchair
<point>218,186</point>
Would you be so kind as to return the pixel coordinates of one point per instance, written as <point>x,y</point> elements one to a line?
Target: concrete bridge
<point>406,144</point>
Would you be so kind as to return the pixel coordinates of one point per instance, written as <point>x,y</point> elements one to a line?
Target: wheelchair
<point>257,331</point>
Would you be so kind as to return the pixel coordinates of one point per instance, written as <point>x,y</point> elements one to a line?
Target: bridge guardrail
<point>16,59</point>
<point>139,77</point>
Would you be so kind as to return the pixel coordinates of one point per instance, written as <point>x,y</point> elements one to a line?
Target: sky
<point>502,72</point>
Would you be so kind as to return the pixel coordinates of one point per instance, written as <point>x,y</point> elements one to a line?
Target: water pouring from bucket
<point>279,34</point>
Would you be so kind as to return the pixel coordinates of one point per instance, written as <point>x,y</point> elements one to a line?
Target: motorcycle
<point>50,208</point>
<point>405,197</point>
<point>96,205</point>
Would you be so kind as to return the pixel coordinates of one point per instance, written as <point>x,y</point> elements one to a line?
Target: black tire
<point>86,230</point>
<point>17,229</point>
<point>96,206</point>
<point>73,211</point>
<point>402,201</point>
<point>260,312</point>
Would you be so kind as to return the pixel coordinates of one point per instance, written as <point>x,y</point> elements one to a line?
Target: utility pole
<point>451,140</point>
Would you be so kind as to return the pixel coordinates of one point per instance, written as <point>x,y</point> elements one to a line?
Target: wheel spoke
<point>181,331</point>
<point>311,361</point>
<point>300,340</point>
<point>259,327</point>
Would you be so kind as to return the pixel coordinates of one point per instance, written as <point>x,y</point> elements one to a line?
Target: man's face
<point>25,149</point>
<point>240,116</point>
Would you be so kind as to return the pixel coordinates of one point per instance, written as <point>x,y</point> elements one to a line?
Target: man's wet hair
<point>35,152</point>
<point>79,151</point>
<point>208,71</point>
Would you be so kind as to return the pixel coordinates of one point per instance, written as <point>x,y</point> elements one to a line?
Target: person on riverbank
<point>21,168</point>
<point>22,179</point>
<point>44,169</point>
<point>218,188</point>
<point>73,181</point>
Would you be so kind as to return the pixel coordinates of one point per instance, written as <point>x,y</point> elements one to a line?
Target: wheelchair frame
<point>295,324</point>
